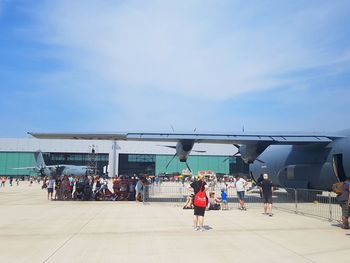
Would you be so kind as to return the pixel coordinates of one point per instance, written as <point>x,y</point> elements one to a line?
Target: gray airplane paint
<point>52,170</point>
<point>312,167</point>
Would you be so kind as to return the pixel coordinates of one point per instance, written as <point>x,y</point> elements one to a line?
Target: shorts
<point>240,195</point>
<point>267,199</point>
<point>50,190</point>
<point>199,211</point>
<point>224,201</point>
<point>345,210</point>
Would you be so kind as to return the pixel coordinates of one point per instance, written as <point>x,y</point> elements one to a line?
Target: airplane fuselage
<point>313,166</point>
<point>73,170</point>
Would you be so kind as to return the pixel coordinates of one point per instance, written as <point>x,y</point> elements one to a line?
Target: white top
<point>103,181</point>
<point>240,184</point>
<point>51,183</point>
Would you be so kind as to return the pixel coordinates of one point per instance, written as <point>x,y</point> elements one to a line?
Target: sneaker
<point>245,209</point>
<point>270,214</point>
<point>202,229</point>
<point>195,228</point>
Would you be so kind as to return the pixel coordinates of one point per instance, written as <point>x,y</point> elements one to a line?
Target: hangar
<point>121,157</point>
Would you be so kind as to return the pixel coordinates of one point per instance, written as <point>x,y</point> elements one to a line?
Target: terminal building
<point>116,157</point>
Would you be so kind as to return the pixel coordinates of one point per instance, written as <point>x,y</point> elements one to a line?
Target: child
<point>214,202</point>
<point>223,199</point>
<point>189,202</point>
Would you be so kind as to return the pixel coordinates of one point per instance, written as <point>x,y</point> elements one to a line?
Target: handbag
<point>200,199</point>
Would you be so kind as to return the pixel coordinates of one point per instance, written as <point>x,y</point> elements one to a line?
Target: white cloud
<point>146,65</point>
<point>190,48</point>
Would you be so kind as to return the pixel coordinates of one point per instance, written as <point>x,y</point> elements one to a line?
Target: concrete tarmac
<point>34,229</point>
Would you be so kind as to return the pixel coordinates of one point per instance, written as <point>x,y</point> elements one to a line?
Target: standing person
<point>131,191</point>
<point>44,183</point>
<point>267,190</point>
<point>123,187</point>
<point>98,184</point>
<point>71,184</point>
<point>11,179</point>
<point>50,186</point>
<point>223,199</point>
<point>65,188</point>
<point>240,185</point>
<point>58,182</point>
<point>344,200</point>
<point>3,180</point>
<point>138,190</point>
<point>116,185</point>
<point>198,216</point>
<point>17,181</point>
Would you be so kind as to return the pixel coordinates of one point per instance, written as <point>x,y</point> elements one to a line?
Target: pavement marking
<point>73,235</point>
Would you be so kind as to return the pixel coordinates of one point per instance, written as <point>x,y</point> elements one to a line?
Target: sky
<point>185,65</point>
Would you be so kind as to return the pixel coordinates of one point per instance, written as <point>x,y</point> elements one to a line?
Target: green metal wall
<point>218,164</point>
<point>10,160</point>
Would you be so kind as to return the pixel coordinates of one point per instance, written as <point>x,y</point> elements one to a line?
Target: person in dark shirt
<point>266,190</point>
<point>344,201</point>
<point>198,217</point>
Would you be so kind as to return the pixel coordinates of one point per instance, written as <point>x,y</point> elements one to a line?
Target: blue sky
<point>70,66</point>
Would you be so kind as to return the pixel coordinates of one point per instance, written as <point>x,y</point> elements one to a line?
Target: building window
<point>141,158</point>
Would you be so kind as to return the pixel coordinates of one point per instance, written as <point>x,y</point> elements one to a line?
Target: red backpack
<point>200,199</point>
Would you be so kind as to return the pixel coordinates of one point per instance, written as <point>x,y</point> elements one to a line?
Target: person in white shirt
<point>240,185</point>
<point>104,185</point>
<point>50,186</point>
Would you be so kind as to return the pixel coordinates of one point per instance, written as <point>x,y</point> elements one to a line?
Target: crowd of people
<point>214,202</point>
<point>131,188</point>
<point>94,188</point>
<point>11,180</point>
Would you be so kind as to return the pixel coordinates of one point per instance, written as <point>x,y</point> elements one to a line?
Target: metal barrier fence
<point>300,201</point>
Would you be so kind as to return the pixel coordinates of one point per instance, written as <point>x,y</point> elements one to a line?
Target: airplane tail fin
<point>39,159</point>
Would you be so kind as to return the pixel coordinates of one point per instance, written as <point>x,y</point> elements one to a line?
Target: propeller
<point>238,153</point>
<point>188,167</point>
<point>169,146</point>
<point>166,167</point>
<point>174,147</point>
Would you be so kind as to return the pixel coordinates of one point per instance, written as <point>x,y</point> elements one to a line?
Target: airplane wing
<point>228,138</point>
<point>26,168</point>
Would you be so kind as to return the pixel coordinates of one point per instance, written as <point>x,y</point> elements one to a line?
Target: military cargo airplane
<point>302,160</point>
<point>52,170</point>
